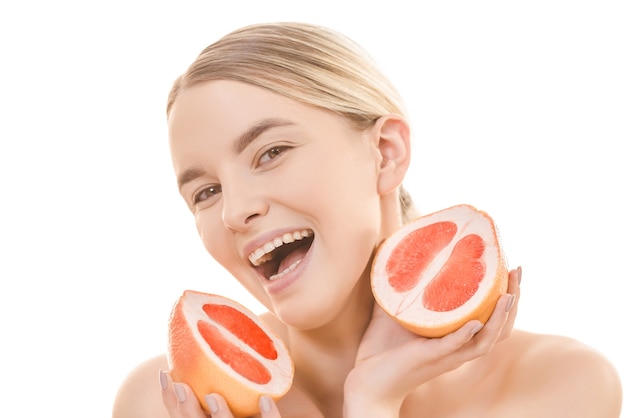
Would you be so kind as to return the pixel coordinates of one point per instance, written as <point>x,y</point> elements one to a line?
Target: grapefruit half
<point>216,345</point>
<point>440,271</point>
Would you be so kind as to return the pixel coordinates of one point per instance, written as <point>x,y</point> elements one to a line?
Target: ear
<point>393,143</point>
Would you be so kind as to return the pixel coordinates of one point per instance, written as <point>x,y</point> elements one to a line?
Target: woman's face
<point>259,171</point>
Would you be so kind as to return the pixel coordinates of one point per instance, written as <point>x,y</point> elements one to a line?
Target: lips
<point>282,254</point>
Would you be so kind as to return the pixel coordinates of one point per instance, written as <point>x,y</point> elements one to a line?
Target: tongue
<point>292,257</point>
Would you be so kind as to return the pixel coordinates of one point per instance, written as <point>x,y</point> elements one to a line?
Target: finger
<point>515,277</point>
<point>437,355</point>
<point>167,394</point>
<point>490,334</point>
<point>178,399</point>
<point>188,404</point>
<point>462,336</point>
<point>268,407</point>
<point>501,321</point>
<point>218,406</point>
<point>444,346</point>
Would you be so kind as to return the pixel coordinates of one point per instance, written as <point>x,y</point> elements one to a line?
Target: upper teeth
<point>264,253</point>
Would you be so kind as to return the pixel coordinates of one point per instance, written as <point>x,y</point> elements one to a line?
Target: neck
<point>323,357</point>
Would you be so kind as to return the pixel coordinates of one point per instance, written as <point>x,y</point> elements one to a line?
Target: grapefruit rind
<point>407,307</point>
<point>193,362</point>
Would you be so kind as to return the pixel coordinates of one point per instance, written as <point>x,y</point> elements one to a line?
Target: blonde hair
<point>307,63</point>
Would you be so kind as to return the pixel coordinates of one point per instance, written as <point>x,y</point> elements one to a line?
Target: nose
<point>241,206</point>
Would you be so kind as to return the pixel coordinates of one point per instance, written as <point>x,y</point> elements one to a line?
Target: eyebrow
<point>256,130</point>
<point>189,175</point>
<point>239,146</point>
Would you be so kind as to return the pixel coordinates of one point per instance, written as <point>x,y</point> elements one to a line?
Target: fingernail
<point>509,303</point>
<point>519,275</point>
<point>163,379</point>
<point>179,390</point>
<point>212,404</point>
<point>477,328</point>
<point>265,404</point>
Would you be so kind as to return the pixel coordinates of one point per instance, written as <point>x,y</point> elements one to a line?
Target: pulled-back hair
<point>309,64</point>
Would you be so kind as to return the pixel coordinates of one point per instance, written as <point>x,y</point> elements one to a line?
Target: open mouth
<point>281,255</point>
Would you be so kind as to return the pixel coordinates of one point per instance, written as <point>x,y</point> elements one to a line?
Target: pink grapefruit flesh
<point>441,271</point>
<point>216,345</point>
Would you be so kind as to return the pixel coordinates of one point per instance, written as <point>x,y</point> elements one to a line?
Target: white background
<point>518,108</point>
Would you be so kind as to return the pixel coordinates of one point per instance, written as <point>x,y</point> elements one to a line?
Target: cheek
<point>221,247</point>
<point>214,237</point>
<point>346,178</point>
<point>343,197</point>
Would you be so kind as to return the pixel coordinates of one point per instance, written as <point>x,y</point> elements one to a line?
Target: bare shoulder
<point>564,376</point>
<point>140,393</point>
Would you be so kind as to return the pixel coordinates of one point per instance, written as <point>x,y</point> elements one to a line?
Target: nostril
<point>237,222</point>
<point>240,210</point>
<point>251,217</point>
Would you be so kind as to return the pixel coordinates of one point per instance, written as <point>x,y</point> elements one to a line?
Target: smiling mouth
<point>281,255</point>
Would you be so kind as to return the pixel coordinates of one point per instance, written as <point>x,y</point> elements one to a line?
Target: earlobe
<point>394,146</point>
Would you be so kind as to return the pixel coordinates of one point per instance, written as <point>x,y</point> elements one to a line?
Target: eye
<point>206,193</point>
<point>272,153</point>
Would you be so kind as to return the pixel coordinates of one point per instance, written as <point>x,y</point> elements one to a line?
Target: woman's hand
<point>180,402</point>
<point>392,362</point>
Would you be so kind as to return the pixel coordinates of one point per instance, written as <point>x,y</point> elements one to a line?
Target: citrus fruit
<point>216,345</point>
<point>440,271</point>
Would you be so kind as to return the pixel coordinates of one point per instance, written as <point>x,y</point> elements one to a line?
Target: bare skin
<point>524,375</point>
<point>351,359</point>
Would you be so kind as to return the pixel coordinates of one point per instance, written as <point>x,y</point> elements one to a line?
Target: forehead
<point>219,111</point>
<point>216,113</point>
<point>227,108</point>
<point>229,101</point>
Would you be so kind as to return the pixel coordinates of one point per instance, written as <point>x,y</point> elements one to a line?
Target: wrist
<point>367,410</point>
<point>361,403</point>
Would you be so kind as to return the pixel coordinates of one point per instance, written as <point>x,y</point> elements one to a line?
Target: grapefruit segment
<point>440,271</point>
<point>459,278</point>
<point>243,327</point>
<point>415,252</point>
<point>240,361</point>
<point>216,345</point>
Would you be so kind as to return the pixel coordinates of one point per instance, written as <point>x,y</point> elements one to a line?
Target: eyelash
<point>272,153</point>
<point>212,190</point>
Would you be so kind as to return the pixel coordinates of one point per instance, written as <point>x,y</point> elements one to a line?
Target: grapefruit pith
<point>440,271</point>
<point>217,345</point>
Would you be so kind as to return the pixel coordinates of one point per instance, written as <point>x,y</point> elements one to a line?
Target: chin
<point>303,316</point>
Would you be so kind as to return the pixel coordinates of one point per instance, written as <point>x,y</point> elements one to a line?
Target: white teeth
<point>270,246</point>
<point>264,253</point>
<point>285,271</point>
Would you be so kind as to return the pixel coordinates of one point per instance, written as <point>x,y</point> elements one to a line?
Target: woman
<point>282,128</point>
